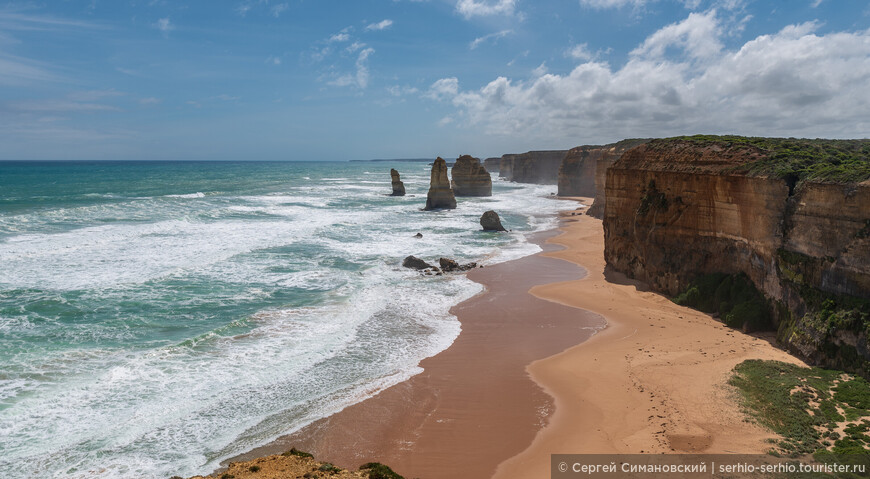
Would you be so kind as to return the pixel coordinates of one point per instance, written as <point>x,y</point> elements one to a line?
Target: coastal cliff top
<point>793,159</point>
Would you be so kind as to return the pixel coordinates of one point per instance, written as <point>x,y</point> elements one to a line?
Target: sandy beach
<point>536,372</point>
<point>654,381</point>
<point>474,405</point>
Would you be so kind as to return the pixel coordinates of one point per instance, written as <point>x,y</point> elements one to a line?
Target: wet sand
<point>474,405</point>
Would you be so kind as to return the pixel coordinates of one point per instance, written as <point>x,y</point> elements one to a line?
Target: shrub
<point>377,470</point>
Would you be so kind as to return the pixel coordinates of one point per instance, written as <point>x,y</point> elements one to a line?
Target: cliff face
<point>539,167</point>
<point>492,164</point>
<point>577,171</point>
<point>470,178</point>
<point>676,210</point>
<point>440,195</point>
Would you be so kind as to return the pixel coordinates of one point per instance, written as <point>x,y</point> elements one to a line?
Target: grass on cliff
<point>816,411</point>
<point>733,297</point>
<point>796,159</point>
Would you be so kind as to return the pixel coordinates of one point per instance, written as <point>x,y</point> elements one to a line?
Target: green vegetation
<point>795,159</point>
<point>377,470</point>
<point>734,297</point>
<point>297,453</point>
<point>327,467</point>
<point>652,199</point>
<point>805,406</point>
<point>254,468</point>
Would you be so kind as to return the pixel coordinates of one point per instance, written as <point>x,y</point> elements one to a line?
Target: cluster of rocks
<point>447,265</point>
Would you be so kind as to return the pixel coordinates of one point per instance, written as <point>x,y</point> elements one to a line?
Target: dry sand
<point>654,381</point>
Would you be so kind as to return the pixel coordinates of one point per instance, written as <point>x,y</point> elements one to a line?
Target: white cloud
<point>164,25</point>
<point>277,10</point>
<point>150,101</point>
<point>445,121</point>
<point>697,35</point>
<point>339,37</point>
<point>362,75</point>
<point>475,8</point>
<point>579,52</point>
<point>273,60</point>
<point>790,83</point>
<point>602,4</point>
<point>443,89</point>
<point>540,71</point>
<point>492,36</point>
<point>816,3</point>
<point>355,46</point>
<point>382,25</point>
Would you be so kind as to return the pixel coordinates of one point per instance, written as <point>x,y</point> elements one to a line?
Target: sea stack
<point>440,195</point>
<point>470,178</point>
<point>491,222</point>
<point>398,186</point>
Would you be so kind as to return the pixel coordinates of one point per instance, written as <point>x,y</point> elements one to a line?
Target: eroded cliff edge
<point>583,171</point>
<point>793,216</point>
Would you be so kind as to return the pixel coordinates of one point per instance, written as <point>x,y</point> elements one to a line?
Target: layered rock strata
<point>677,209</point>
<point>440,194</point>
<point>398,186</point>
<point>470,178</point>
<point>492,164</point>
<point>538,167</point>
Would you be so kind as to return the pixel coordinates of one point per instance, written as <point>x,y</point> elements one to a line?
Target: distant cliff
<point>540,167</point>
<point>583,169</point>
<point>492,164</point>
<point>791,217</point>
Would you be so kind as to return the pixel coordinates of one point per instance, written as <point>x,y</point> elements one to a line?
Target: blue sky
<point>328,80</point>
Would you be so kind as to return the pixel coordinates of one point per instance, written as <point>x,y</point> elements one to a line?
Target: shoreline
<point>474,405</point>
<point>514,388</point>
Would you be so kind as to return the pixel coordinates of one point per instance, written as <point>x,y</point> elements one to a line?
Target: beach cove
<point>653,380</point>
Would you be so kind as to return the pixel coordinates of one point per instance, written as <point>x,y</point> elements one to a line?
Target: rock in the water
<point>398,186</point>
<point>418,235</point>
<point>416,263</point>
<point>448,265</point>
<point>491,222</point>
<point>470,178</point>
<point>440,194</point>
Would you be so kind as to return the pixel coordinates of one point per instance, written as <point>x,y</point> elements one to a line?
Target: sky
<point>364,79</point>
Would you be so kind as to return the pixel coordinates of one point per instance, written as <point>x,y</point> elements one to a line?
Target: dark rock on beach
<point>449,265</point>
<point>491,222</point>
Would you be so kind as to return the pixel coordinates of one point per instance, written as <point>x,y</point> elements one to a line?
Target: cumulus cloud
<point>494,37</point>
<point>382,25</point>
<point>697,36</point>
<point>480,8</point>
<point>793,83</point>
<point>339,37</point>
<point>579,52</point>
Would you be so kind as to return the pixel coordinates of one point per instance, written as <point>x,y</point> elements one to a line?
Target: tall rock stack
<point>470,178</point>
<point>398,186</point>
<point>440,195</point>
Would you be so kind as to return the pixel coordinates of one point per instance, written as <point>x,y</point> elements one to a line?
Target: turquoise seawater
<point>159,317</point>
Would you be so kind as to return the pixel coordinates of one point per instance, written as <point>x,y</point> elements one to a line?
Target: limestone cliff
<point>492,164</point>
<point>440,194</point>
<point>583,171</point>
<point>539,167</point>
<point>470,178</point>
<point>398,186</point>
<point>793,216</point>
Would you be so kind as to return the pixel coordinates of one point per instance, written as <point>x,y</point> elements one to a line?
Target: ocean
<point>159,317</point>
